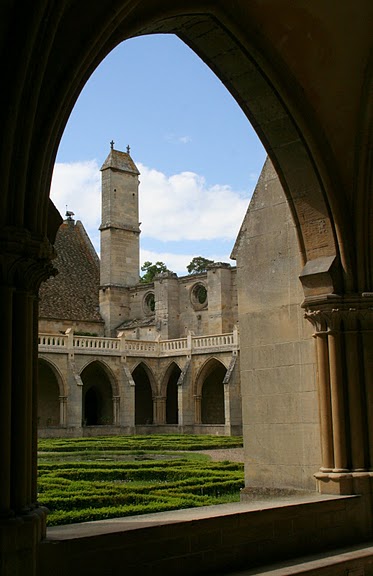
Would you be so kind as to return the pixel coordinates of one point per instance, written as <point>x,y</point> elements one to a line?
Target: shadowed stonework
<point>302,74</point>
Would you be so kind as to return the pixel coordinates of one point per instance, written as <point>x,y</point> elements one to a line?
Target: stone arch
<point>285,124</point>
<point>144,392</point>
<point>363,187</point>
<point>210,388</point>
<point>98,394</point>
<point>169,389</point>
<point>50,390</point>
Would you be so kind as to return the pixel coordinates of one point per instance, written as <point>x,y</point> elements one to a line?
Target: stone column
<point>324,401</point>
<point>180,405</point>
<point>116,403</point>
<point>337,394</point>
<point>63,411</point>
<point>127,388</point>
<point>6,305</point>
<point>159,403</point>
<point>198,409</point>
<point>355,377</point>
<point>227,409</point>
<point>366,337</point>
<point>343,339</point>
<point>24,263</point>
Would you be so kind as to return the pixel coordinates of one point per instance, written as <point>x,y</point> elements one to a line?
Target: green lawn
<point>82,479</point>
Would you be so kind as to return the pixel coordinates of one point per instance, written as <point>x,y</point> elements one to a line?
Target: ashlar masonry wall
<point>278,370</point>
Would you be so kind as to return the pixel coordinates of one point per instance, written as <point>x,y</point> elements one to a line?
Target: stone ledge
<point>200,540</point>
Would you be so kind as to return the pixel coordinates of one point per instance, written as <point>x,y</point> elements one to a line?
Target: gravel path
<point>231,454</point>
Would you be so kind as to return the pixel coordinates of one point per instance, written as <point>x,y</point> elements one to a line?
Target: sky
<point>198,156</point>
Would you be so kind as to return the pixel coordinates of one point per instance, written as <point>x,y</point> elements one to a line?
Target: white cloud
<point>183,207</point>
<point>180,207</point>
<point>77,187</point>
<point>175,262</point>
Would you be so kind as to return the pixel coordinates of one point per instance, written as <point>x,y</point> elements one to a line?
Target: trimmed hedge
<point>78,491</point>
<point>140,444</point>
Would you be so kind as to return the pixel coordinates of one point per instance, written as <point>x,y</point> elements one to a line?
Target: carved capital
<point>352,312</point>
<point>25,259</point>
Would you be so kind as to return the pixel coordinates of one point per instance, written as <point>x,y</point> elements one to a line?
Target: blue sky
<point>198,156</point>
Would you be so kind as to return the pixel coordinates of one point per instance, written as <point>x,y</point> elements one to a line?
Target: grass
<point>81,479</point>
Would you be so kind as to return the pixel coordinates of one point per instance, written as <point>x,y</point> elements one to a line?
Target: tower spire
<point>120,231</point>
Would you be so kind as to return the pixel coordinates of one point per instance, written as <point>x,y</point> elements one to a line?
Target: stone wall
<point>178,308</point>
<point>71,373</point>
<point>278,370</point>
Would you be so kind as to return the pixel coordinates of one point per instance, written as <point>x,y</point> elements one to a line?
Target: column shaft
<point>21,464</point>
<point>198,409</point>
<point>35,382</point>
<point>357,420</point>
<point>5,399</point>
<point>368,375</point>
<point>324,402</point>
<point>337,398</point>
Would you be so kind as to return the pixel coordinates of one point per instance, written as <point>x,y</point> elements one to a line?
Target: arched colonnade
<point>155,402</point>
<point>307,92</point>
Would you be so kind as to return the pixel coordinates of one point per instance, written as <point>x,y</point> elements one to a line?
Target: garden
<point>81,479</point>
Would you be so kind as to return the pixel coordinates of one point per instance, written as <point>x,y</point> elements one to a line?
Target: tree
<point>199,264</point>
<point>151,270</point>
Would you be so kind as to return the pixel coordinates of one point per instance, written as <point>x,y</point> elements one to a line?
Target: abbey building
<point>120,356</point>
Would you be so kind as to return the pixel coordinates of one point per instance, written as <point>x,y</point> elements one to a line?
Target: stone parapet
<point>64,343</point>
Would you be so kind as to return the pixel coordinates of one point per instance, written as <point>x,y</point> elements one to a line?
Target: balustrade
<point>96,343</point>
<point>52,340</point>
<point>121,346</point>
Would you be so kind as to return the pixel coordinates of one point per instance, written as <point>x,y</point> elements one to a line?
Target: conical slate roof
<point>74,293</point>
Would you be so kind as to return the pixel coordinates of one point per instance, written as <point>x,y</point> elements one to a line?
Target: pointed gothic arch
<point>210,389</point>
<point>144,392</point>
<point>97,394</point>
<point>169,389</point>
<point>51,389</point>
<point>296,150</point>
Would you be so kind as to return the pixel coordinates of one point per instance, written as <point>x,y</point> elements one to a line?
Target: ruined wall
<point>277,355</point>
<point>179,305</point>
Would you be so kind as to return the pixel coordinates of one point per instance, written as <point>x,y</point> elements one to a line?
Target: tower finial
<point>112,144</point>
<point>128,149</point>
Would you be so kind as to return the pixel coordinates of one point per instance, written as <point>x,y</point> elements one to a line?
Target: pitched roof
<point>120,161</point>
<point>74,293</point>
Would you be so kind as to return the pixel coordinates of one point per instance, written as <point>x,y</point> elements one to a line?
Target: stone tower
<point>119,235</point>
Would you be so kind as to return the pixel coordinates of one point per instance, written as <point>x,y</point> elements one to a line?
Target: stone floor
<point>353,561</point>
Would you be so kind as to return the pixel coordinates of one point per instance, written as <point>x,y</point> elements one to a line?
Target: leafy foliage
<point>198,265</point>
<point>151,270</point>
